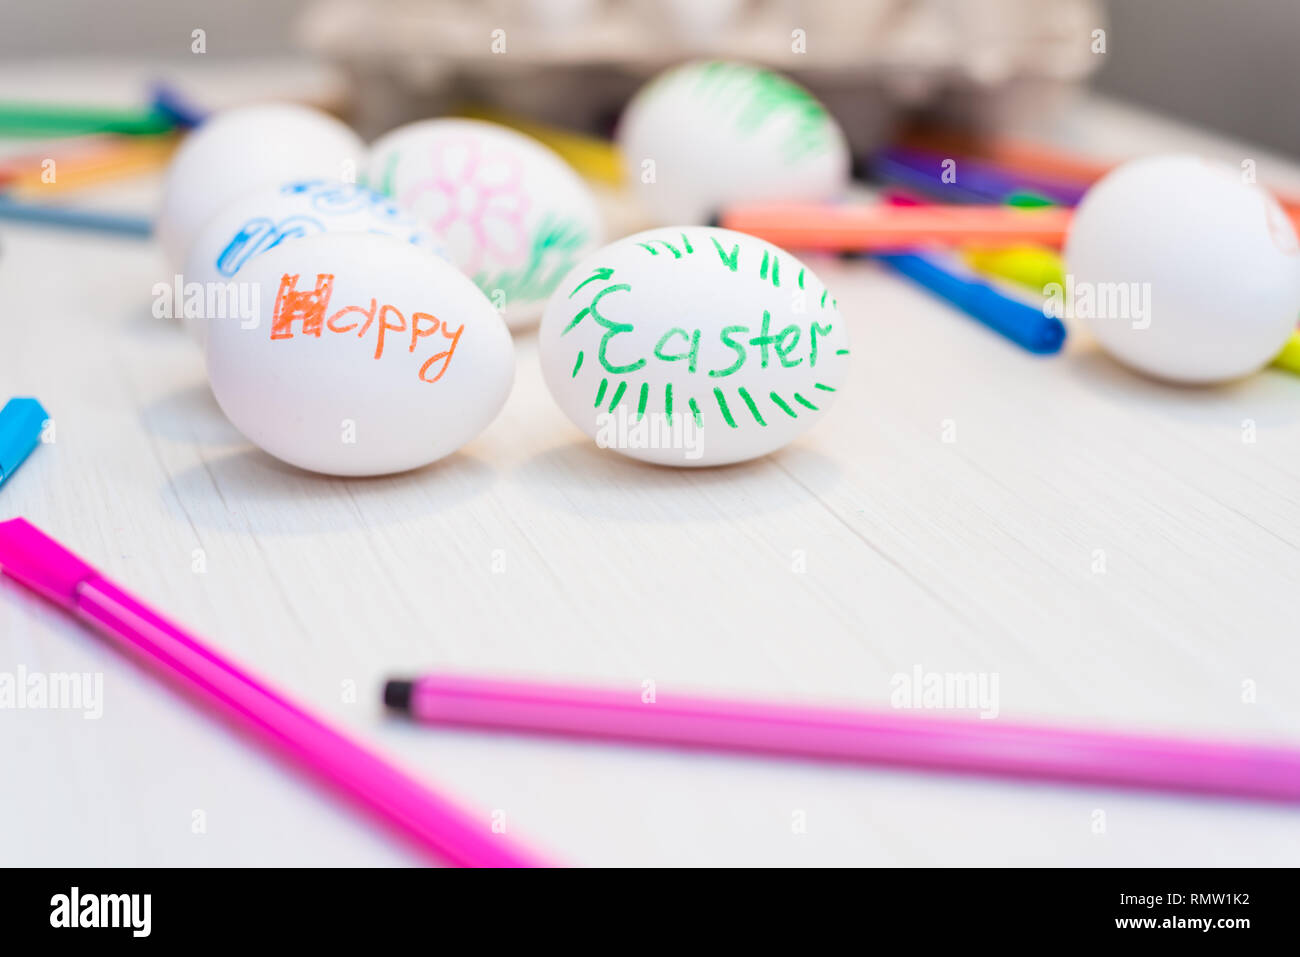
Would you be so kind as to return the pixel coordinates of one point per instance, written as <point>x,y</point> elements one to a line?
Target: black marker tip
<point>397,695</point>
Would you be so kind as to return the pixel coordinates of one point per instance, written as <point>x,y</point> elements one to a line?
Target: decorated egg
<point>259,221</point>
<point>512,214</point>
<point>1182,269</point>
<point>362,355</point>
<point>706,135</point>
<point>690,345</point>
<point>241,149</point>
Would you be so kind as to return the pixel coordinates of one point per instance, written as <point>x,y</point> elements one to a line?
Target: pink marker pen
<point>34,559</point>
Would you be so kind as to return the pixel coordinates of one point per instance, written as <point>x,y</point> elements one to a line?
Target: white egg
<point>689,345</point>
<point>706,135</point>
<point>243,148</point>
<point>262,219</point>
<point>512,214</point>
<point>364,355</point>
<point>1182,270</point>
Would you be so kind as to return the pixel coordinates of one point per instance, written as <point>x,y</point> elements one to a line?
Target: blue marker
<point>21,422</point>
<point>1023,324</point>
<point>167,101</point>
<point>77,218</point>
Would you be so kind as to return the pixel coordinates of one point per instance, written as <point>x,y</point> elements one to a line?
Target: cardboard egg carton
<point>575,62</point>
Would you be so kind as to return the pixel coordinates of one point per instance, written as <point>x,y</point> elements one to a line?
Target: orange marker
<point>100,162</point>
<point>863,228</point>
<point>1012,154</point>
<point>879,228</point>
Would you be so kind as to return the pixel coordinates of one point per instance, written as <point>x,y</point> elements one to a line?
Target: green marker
<point>51,119</point>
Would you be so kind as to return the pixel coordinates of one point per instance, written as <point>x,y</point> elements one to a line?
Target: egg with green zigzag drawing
<point>702,136</point>
<point>692,346</point>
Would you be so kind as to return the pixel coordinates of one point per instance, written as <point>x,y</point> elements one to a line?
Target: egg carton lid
<point>983,43</point>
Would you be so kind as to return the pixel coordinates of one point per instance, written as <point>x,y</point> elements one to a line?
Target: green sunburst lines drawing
<point>679,246</point>
<point>731,411</point>
<point>757,97</point>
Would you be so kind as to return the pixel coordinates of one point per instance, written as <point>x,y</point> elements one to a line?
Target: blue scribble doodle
<point>258,235</point>
<point>386,208</point>
<point>341,199</point>
<point>328,199</point>
<point>301,186</point>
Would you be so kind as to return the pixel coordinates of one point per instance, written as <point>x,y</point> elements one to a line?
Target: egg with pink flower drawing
<point>512,214</point>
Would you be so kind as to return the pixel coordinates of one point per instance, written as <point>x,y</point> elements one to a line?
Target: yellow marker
<point>1026,264</point>
<point>1289,357</point>
<point>592,157</point>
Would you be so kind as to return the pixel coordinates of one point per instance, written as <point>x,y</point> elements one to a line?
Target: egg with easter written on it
<point>366,356</point>
<point>691,345</point>
<point>1182,270</point>
<point>706,135</point>
<point>512,214</point>
<point>240,149</point>
<point>262,219</point>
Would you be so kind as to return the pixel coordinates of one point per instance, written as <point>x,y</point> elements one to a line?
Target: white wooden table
<point>870,548</point>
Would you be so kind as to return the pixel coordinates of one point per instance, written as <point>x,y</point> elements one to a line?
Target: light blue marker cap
<point>21,422</point>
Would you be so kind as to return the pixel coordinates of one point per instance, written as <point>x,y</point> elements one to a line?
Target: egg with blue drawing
<point>244,148</point>
<point>514,216</point>
<point>692,345</point>
<point>261,220</point>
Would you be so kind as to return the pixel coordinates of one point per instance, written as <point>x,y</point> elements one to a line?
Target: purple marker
<point>975,180</point>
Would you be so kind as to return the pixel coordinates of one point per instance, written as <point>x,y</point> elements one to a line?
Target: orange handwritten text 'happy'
<point>311,308</point>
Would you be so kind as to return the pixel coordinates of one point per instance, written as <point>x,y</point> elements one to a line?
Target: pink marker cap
<point>31,557</point>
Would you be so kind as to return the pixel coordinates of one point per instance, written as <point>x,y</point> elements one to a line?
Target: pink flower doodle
<point>474,199</point>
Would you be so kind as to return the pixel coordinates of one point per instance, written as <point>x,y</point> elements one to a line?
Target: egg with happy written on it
<point>690,345</point>
<point>259,221</point>
<point>243,148</point>
<point>706,135</point>
<point>366,356</point>
<point>1182,270</point>
<point>512,214</point>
